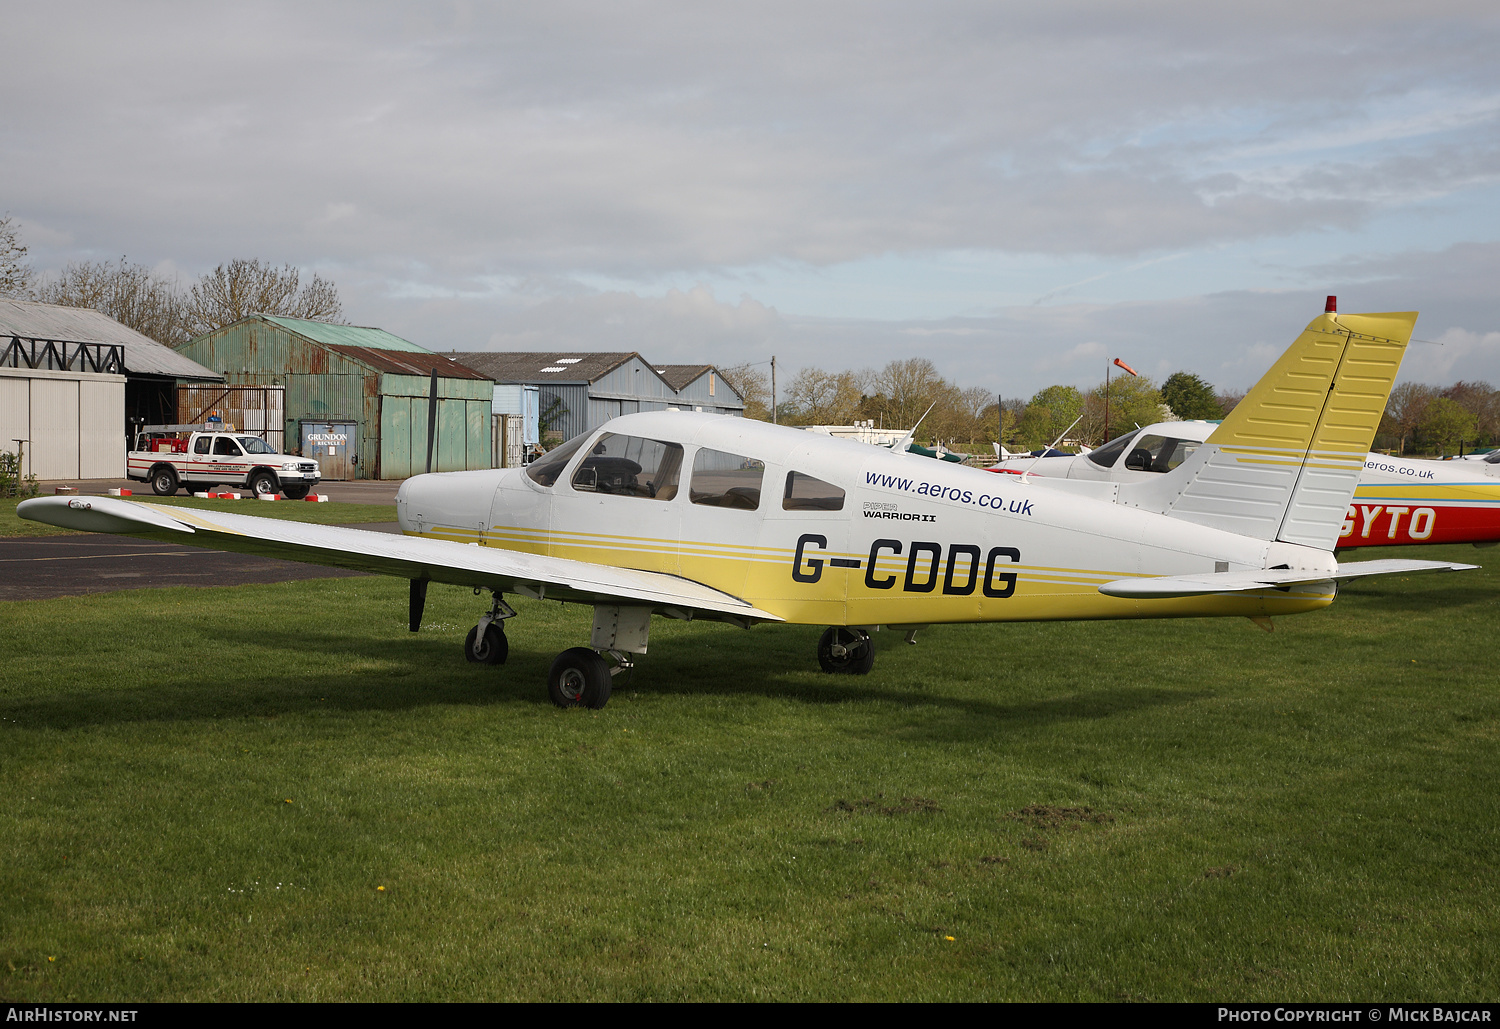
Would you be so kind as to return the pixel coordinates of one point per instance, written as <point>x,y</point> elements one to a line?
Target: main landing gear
<point>581,676</point>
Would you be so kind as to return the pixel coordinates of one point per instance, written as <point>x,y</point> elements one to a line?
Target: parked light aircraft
<point>703,516</point>
<point>1398,501</point>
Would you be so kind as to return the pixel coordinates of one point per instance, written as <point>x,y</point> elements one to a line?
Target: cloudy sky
<point>1017,191</point>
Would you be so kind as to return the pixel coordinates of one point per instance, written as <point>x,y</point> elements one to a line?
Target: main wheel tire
<point>164,482</point>
<point>295,492</point>
<point>190,488</point>
<point>263,484</point>
<point>579,676</point>
<point>493,649</point>
<point>844,651</point>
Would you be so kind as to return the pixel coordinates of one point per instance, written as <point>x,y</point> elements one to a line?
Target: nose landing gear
<point>844,651</point>
<point>486,642</point>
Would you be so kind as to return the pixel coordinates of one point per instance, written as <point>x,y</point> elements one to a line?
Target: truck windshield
<point>255,445</point>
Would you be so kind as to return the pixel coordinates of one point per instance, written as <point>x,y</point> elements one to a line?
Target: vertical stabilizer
<point>1284,463</point>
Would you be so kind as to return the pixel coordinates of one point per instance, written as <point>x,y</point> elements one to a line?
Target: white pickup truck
<point>170,460</point>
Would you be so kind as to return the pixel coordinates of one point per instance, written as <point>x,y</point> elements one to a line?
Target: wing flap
<point>1218,583</point>
<point>408,557</point>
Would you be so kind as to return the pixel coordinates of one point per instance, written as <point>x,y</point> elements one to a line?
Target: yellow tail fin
<point>1284,463</point>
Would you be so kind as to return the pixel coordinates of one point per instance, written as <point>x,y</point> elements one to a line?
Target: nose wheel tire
<point>164,482</point>
<point>844,651</point>
<point>295,492</point>
<point>490,649</point>
<point>579,677</point>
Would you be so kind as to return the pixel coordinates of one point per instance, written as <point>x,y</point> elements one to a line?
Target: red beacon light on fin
<point>1332,306</point>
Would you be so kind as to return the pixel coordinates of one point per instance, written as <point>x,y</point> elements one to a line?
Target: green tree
<point>1446,422</point>
<point>1049,414</point>
<point>1132,401</point>
<point>1190,397</point>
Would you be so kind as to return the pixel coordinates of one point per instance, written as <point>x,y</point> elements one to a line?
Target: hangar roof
<point>552,366</point>
<point>143,355</point>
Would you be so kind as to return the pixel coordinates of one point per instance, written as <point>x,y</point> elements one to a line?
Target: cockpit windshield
<point>1159,453</point>
<point>1107,455</point>
<point>545,470</point>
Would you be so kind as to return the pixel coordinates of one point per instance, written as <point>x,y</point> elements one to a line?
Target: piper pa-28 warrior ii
<point>703,516</point>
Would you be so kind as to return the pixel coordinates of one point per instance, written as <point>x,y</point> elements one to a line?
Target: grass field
<point>278,793</point>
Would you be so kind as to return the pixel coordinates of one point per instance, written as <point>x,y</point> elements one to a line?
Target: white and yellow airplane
<point>694,516</point>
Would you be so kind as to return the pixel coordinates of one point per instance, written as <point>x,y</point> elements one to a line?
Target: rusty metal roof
<point>143,355</point>
<point>408,362</point>
<point>564,366</point>
<point>360,336</point>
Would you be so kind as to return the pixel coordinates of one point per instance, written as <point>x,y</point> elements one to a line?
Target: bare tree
<point>131,294</point>
<point>824,398</point>
<point>15,270</point>
<point>244,287</point>
<point>1406,406</point>
<point>754,385</point>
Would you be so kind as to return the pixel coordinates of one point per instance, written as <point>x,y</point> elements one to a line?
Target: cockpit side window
<point>545,470</point>
<point>726,480</point>
<point>1159,453</point>
<point>1109,453</point>
<point>630,466</point>
<point>805,493</point>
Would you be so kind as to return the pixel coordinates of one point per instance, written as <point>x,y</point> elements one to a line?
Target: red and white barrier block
<point>316,498</point>
<point>121,493</point>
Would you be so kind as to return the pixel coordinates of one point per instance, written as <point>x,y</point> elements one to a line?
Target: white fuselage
<point>912,540</point>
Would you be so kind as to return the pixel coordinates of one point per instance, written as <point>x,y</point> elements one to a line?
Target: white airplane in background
<point>1399,501</point>
<point>703,516</point>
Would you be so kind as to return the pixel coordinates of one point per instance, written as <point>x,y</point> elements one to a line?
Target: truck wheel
<point>263,484</point>
<point>163,482</point>
<point>295,492</point>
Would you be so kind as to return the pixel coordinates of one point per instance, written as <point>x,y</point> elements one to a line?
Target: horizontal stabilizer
<point>1215,583</point>
<point>408,557</point>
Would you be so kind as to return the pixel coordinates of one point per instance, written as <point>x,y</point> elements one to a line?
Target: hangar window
<point>545,469</point>
<point>630,466</point>
<point>726,480</point>
<point>805,493</point>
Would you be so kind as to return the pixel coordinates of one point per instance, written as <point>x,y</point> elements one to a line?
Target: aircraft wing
<point>408,557</point>
<point>1209,583</point>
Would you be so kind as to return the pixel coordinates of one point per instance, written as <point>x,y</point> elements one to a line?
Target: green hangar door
<point>334,445</point>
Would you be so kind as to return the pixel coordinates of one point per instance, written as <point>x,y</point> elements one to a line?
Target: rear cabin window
<point>1159,453</point>
<point>630,466</point>
<point>201,444</point>
<point>806,493</point>
<point>726,480</point>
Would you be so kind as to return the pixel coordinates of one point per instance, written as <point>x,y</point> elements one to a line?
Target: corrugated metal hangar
<point>72,380</point>
<point>357,398</point>
<point>578,392</point>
